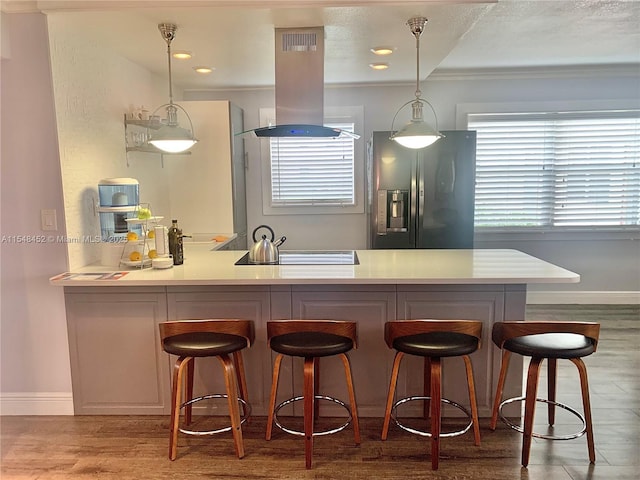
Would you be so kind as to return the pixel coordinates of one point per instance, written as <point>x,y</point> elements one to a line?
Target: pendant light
<point>171,137</point>
<point>417,133</point>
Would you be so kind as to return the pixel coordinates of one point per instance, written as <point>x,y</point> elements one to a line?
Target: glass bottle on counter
<point>175,243</point>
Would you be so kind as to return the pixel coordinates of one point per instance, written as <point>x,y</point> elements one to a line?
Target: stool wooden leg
<point>232,397</point>
<point>241,379</point>
<point>391,394</point>
<point>499,389</point>
<point>530,407</point>
<point>316,388</point>
<point>176,400</point>
<point>352,397</point>
<point>274,393</point>
<point>188,394</point>
<point>552,364</point>
<point>586,405</point>
<point>472,399</point>
<point>426,387</point>
<point>309,409</point>
<point>436,395</point>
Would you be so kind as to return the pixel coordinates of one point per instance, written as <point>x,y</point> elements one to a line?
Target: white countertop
<point>203,266</point>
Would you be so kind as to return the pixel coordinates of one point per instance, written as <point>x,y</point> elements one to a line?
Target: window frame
<point>331,114</point>
<point>549,232</point>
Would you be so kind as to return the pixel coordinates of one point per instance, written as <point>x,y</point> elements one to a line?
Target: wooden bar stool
<point>312,339</point>
<point>551,341</point>
<point>224,339</point>
<point>433,340</point>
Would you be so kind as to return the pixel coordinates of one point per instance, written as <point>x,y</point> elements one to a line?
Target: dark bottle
<point>175,243</point>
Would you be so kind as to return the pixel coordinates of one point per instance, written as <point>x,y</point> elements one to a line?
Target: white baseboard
<point>583,298</point>
<point>36,403</point>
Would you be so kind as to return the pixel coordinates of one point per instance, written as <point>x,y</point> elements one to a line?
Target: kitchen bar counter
<point>205,267</point>
<point>118,366</point>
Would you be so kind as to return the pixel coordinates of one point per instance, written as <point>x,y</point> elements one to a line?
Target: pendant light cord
<point>417,35</point>
<point>169,61</point>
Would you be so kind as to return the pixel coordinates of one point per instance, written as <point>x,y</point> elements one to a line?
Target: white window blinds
<point>313,171</point>
<point>557,169</point>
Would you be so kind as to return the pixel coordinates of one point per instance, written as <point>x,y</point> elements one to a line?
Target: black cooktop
<point>311,257</point>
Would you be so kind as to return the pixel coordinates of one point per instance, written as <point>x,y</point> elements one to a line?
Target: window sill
<point>312,210</point>
<point>571,235</point>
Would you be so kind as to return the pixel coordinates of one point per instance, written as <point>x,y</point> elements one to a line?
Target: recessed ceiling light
<point>181,55</point>
<point>382,50</point>
<point>203,69</point>
<point>379,66</point>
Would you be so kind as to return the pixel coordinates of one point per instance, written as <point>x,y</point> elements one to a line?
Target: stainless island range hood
<point>299,62</point>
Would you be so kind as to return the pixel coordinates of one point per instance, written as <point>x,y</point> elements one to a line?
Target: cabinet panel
<point>451,304</point>
<point>117,364</point>
<point>250,303</point>
<point>371,369</point>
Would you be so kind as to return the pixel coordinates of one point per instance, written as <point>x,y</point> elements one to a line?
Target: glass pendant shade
<point>416,135</point>
<point>173,139</point>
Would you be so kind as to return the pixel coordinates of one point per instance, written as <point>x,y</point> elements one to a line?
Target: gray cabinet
<point>117,364</point>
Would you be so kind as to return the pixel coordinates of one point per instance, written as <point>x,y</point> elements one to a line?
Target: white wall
<point>34,353</point>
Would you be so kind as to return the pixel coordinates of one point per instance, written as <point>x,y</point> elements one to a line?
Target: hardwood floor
<point>135,447</point>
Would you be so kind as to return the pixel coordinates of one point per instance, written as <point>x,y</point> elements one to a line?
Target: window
<point>315,175</point>
<point>313,171</point>
<point>557,170</point>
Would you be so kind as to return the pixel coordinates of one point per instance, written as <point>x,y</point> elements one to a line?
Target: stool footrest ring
<point>520,429</point>
<point>315,434</point>
<point>428,434</point>
<point>243,419</point>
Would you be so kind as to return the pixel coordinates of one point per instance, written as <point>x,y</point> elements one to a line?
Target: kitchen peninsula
<point>118,366</point>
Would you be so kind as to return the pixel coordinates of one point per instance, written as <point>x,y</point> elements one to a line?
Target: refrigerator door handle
<point>420,215</point>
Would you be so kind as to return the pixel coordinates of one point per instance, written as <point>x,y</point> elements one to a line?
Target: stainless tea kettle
<point>265,251</point>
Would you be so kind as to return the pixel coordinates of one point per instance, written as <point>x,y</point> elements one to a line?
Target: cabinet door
<point>248,303</point>
<point>371,307</point>
<point>484,303</point>
<point>117,364</point>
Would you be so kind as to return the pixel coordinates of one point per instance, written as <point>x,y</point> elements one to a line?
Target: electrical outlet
<point>48,220</point>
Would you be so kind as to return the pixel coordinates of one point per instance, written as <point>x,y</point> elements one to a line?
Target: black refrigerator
<point>421,198</point>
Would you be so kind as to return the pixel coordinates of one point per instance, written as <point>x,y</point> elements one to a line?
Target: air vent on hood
<point>299,58</point>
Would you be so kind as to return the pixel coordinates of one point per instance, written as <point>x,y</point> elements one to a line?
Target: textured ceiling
<point>237,37</point>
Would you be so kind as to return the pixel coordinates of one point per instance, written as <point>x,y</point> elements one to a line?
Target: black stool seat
<point>437,344</point>
<point>203,344</point>
<point>552,345</point>
<point>310,344</point>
